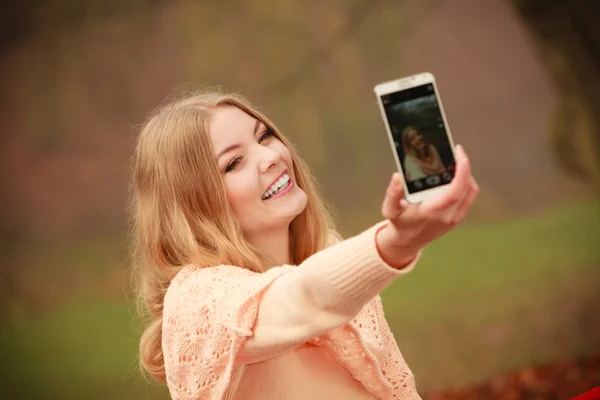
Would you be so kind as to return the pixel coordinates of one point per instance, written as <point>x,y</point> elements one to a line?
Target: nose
<point>268,158</point>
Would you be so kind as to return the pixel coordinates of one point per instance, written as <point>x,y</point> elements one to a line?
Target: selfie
<point>419,133</point>
<point>300,201</point>
<point>421,157</point>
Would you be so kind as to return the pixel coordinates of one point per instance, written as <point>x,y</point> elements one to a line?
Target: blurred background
<point>509,299</point>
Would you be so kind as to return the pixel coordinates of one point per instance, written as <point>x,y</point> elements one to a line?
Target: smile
<point>279,187</point>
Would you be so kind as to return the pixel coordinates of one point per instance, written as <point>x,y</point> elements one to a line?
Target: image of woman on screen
<point>421,158</point>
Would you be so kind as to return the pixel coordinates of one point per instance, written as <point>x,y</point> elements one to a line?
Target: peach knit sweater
<point>313,331</point>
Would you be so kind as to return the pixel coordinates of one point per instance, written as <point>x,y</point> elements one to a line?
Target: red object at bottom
<point>593,394</point>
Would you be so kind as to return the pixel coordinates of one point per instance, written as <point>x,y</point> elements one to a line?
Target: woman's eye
<point>233,163</point>
<point>266,135</point>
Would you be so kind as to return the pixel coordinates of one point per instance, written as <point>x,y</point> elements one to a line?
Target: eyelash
<point>235,161</point>
<point>265,135</point>
<point>232,164</point>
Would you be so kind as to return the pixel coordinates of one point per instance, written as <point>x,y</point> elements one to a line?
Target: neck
<point>275,245</point>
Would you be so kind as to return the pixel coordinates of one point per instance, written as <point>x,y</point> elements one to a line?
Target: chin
<point>295,207</point>
<point>298,205</point>
<point>286,209</point>
<point>284,217</point>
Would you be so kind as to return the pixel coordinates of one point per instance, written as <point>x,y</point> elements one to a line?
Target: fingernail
<point>404,203</point>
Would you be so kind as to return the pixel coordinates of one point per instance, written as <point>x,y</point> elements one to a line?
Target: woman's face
<point>415,138</point>
<point>257,170</point>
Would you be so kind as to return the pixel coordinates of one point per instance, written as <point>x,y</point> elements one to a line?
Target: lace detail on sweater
<point>379,340</point>
<point>370,331</point>
<point>367,349</point>
<point>208,314</point>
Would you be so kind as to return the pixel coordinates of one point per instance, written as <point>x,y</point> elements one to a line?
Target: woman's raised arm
<point>331,287</point>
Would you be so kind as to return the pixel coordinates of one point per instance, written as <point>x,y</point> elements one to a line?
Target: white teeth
<point>276,186</point>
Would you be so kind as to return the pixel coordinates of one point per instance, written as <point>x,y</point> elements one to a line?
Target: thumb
<point>394,202</point>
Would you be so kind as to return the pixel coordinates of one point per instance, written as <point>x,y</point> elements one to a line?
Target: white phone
<point>419,134</point>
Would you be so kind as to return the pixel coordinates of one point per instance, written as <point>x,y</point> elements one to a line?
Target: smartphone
<point>419,134</point>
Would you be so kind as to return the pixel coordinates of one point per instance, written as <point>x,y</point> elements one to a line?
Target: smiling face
<point>415,139</point>
<point>258,172</point>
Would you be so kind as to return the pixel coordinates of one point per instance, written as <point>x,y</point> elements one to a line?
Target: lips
<point>278,186</point>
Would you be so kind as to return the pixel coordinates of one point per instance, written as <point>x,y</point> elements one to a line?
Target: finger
<point>463,172</point>
<point>456,209</point>
<point>458,188</point>
<point>392,205</point>
<point>393,195</point>
<point>465,206</point>
<point>474,184</point>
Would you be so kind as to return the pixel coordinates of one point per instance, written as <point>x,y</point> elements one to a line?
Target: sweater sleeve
<point>215,318</point>
<point>327,290</point>
<point>375,338</point>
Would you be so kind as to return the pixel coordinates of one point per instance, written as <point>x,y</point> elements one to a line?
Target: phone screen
<point>420,137</point>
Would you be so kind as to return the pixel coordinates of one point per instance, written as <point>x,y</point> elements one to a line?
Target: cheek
<point>241,193</point>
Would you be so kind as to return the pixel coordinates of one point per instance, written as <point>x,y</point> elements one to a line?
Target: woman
<point>250,293</point>
<point>421,159</point>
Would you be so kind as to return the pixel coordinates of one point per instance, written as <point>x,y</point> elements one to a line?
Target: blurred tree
<point>567,35</point>
<point>21,19</point>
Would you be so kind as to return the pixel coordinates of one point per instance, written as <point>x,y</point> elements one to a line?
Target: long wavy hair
<point>409,149</point>
<point>180,215</point>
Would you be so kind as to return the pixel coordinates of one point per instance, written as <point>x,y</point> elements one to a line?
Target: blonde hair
<point>407,145</point>
<point>180,215</point>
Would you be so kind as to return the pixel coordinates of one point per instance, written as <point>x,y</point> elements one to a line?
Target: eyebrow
<point>237,146</point>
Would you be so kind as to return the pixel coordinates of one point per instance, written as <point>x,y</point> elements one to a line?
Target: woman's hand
<point>412,227</point>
